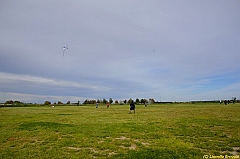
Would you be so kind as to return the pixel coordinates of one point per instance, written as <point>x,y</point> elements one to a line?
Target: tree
<point>151,100</point>
<point>89,101</point>
<point>110,101</point>
<point>234,100</point>
<point>68,102</point>
<point>116,101</point>
<point>17,102</point>
<point>125,101</point>
<point>59,102</point>
<point>9,102</point>
<point>130,101</point>
<point>92,101</point>
<point>86,101</point>
<point>144,101</point>
<point>104,101</point>
<point>47,103</point>
<point>137,101</point>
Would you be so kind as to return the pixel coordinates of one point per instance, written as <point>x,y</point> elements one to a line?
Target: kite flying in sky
<point>66,47</point>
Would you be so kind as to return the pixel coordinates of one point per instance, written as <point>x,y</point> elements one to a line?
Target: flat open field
<point>158,131</point>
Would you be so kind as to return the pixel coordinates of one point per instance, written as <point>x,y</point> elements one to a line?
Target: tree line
<point>105,101</point>
<point>111,101</point>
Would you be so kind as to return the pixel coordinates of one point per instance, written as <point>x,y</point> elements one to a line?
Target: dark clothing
<point>225,102</point>
<point>132,106</point>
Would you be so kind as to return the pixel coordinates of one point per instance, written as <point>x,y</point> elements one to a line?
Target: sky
<point>166,50</point>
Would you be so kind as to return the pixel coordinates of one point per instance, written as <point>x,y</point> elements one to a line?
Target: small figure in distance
<point>132,107</point>
<point>145,104</point>
<point>96,105</point>
<point>225,102</point>
<point>108,105</point>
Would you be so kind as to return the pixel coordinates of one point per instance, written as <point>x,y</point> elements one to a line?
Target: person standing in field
<point>132,107</point>
<point>225,102</point>
<point>96,105</point>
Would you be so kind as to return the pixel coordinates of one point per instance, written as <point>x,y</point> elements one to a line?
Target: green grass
<point>158,131</point>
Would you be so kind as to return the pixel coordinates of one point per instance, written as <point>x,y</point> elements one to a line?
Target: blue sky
<point>166,50</point>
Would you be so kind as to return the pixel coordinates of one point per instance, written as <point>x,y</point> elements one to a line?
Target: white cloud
<point>14,78</point>
<point>33,98</point>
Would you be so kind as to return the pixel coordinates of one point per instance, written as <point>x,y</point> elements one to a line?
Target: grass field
<point>158,131</point>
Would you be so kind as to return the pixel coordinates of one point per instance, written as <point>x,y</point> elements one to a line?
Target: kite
<point>66,47</point>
